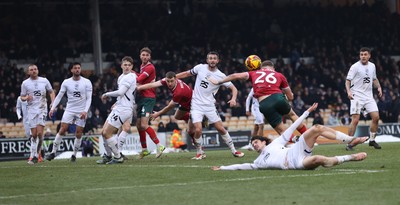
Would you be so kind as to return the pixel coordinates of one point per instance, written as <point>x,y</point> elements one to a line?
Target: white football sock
<point>77,145</point>
<point>228,140</point>
<point>198,145</point>
<point>56,143</point>
<point>121,140</point>
<point>343,158</point>
<point>372,136</point>
<point>107,148</point>
<point>33,147</point>
<point>343,137</point>
<point>113,144</point>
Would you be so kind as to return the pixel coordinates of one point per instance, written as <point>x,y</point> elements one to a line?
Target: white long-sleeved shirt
<point>274,155</point>
<point>251,99</point>
<point>126,92</point>
<point>79,94</point>
<point>22,109</point>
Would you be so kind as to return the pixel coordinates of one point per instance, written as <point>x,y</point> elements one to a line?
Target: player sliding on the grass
<point>274,155</point>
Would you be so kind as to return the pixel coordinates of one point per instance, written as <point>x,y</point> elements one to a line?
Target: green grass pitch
<point>176,179</point>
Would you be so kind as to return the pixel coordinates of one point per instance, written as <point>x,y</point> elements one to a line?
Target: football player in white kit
<point>255,111</point>
<point>22,112</point>
<point>258,129</point>
<point>121,112</point>
<point>79,94</point>
<point>203,102</point>
<point>274,155</point>
<point>359,85</point>
<point>33,90</point>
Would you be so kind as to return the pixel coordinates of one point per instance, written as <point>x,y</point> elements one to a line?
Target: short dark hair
<point>128,58</point>
<point>213,53</point>
<point>73,64</point>
<point>267,63</point>
<point>145,49</point>
<point>170,74</point>
<point>363,49</point>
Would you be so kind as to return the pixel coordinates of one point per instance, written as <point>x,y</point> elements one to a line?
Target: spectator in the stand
<point>318,119</point>
<point>89,127</point>
<point>87,147</point>
<point>59,112</point>
<point>384,108</point>
<point>5,111</point>
<point>104,108</point>
<point>171,125</point>
<point>2,135</point>
<point>97,119</point>
<point>395,108</point>
<point>221,114</point>
<point>345,119</point>
<point>298,104</point>
<point>13,118</point>
<point>161,127</point>
<point>333,119</point>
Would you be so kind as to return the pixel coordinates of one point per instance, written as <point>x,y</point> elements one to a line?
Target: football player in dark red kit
<point>181,95</point>
<point>272,91</point>
<point>146,100</point>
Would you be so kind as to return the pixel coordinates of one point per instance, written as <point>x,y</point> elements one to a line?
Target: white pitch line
<point>341,172</point>
<point>105,166</point>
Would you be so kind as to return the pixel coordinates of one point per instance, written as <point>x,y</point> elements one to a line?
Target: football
<point>252,62</point>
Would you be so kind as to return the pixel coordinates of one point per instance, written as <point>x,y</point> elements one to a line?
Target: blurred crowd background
<point>314,46</point>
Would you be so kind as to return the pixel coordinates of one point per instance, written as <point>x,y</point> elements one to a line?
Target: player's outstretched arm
<point>149,85</point>
<point>245,166</point>
<point>232,101</point>
<point>121,91</point>
<point>183,74</point>
<point>289,131</point>
<point>235,76</point>
<point>167,108</point>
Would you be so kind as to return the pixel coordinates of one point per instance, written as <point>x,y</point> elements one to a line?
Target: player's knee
<point>355,121</point>
<point>220,128</point>
<point>104,133</point>
<point>317,128</point>
<point>126,127</point>
<point>197,129</point>
<point>318,160</point>
<point>375,119</point>
<point>78,134</point>
<point>178,117</point>
<point>62,130</point>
